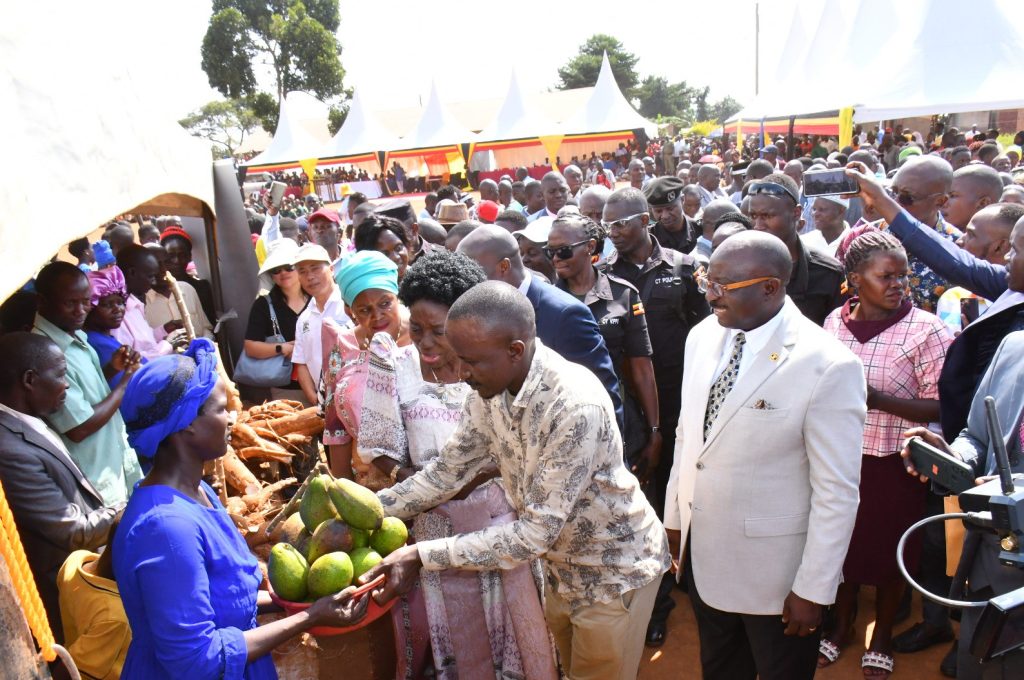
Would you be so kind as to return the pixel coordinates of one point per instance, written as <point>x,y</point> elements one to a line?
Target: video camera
<point>998,507</point>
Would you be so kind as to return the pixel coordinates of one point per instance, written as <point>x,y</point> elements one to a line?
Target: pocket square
<point>762,405</point>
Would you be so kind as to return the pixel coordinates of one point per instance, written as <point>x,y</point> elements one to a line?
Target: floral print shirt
<point>926,287</point>
<point>558,450</point>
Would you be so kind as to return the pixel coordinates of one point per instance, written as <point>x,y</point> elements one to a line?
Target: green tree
<point>658,97</point>
<point>293,39</point>
<point>583,69</point>
<point>266,108</point>
<point>723,108</point>
<point>226,123</point>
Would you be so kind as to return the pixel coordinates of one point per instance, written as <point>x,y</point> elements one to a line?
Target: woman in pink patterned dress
<point>902,349</point>
<point>469,624</point>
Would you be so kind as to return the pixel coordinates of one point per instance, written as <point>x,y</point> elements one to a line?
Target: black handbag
<point>275,371</point>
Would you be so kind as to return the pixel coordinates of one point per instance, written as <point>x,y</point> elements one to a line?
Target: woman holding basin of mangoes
<point>187,579</point>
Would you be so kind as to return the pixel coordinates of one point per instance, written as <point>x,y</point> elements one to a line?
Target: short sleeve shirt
<point>104,457</point>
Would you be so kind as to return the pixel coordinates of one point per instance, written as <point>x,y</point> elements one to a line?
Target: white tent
<point>83,145</point>
<point>359,139</point>
<point>950,66</point>
<point>607,109</point>
<point>301,132</point>
<point>519,132</point>
<point>433,147</point>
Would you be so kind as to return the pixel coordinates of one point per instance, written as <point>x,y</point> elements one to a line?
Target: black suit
<point>55,507</point>
<point>567,326</point>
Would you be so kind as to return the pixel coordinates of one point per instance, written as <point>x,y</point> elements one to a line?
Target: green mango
<point>391,536</point>
<point>360,538</point>
<point>330,574</point>
<point>288,570</point>
<point>316,507</point>
<point>359,506</point>
<point>331,536</point>
<point>364,559</point>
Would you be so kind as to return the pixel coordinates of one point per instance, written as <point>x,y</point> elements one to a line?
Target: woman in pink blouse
<point>902,349</point>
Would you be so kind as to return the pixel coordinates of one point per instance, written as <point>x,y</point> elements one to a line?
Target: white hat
<point>835,198</point>
<point>537,231</point>
<point>311,252</point>
<point>280,253</point>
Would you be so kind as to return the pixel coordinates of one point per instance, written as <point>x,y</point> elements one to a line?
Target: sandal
<point>828,653</point>
<point>879,661</point>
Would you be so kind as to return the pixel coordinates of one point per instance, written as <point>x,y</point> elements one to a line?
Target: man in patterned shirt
<point>549,428</point>
<point>922,188</point>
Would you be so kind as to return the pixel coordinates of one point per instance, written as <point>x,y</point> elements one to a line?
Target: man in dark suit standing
<point>563,323</point>
<point>55,507</point>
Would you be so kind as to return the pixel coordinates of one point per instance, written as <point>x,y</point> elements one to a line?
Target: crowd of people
<point>679,371</point>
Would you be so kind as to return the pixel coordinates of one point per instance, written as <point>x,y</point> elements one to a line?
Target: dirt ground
<point>678,659</point>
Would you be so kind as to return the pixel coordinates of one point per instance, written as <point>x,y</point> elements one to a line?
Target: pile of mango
<point>339,533</point>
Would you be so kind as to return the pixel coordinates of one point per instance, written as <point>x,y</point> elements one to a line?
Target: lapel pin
<point>773,356</point>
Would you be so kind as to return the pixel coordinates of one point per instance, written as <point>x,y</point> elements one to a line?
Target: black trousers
<point>669,415</point>
<point>745,647</point>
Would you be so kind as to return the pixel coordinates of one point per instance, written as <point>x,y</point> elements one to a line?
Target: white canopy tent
<point>518,132</point>
<point>88,145</point>
<point>434,146</point>
<point>301,132</point>
<point>359,139</point>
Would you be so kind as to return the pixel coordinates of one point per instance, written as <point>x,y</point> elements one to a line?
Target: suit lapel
<point>35,439</point>
<point>704,377</point>
<point>772,355</point>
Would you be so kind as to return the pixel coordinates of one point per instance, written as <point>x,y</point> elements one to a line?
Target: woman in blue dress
<point>187,579</point>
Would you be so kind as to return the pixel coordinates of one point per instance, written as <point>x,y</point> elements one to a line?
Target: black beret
<point>664,190</point>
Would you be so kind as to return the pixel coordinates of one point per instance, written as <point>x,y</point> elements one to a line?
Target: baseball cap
<point>311,252</point>
<point>325,214</point>
<point>537,231</point>
<point>488,211</point>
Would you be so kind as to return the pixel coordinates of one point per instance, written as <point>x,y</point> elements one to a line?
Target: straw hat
<point>452,213</point>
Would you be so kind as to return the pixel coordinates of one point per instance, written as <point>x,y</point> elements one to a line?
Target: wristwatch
<point>394,474</point>
<point>277,349</point>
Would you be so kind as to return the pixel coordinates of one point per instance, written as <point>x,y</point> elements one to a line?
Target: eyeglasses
<point>619,224</point>
<point>278,270</point>
<point>907,199</point>
<point>771,189</point>
<point>704,284</point>
<point>563,252</point>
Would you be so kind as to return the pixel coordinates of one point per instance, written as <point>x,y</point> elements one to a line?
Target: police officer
<point>672,227</point>
<point>668,291</point>
<point>615,304</point>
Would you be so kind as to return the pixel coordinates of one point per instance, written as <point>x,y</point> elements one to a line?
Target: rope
<point>24,584</point>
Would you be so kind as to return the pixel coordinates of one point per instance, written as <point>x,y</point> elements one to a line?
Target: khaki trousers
<point>602,641</point>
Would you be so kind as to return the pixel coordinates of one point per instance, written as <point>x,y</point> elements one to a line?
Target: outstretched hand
<point>341,609</point>
<point>401,569</point>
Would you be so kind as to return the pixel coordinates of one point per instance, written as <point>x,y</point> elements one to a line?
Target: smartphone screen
<point>829,182</point>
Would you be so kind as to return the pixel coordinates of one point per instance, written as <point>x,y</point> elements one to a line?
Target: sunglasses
<point>619,224</point>
<point>563,252</point>
<point>704,284</point>
<point>278,270</point>
<point>771,189</point>
<point>907,199</point>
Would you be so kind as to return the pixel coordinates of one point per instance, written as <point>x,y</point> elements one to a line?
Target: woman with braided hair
<point>902,349</point>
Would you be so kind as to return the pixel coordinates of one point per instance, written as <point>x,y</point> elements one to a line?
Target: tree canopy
<point>292,39</point>
<point>583,69</point>
<point>226,123</point>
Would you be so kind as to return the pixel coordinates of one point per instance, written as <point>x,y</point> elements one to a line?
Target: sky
<point>391,50</point>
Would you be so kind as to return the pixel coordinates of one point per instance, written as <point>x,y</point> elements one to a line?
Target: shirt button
<point>700,466</point>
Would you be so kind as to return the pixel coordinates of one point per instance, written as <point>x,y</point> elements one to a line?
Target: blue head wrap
<point>166,394</point>
<point>364,270</point>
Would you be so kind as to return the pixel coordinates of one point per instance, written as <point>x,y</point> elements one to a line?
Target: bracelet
<point>654,428</point>
<point>394,473</point>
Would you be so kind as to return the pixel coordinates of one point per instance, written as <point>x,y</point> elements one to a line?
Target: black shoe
<point>656,631</point>
<point>948,665</point>
<point>920,636</point>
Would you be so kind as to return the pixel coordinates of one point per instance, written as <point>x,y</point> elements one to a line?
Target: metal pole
<point>757,48</point>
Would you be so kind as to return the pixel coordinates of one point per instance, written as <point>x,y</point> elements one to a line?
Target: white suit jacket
<point>770,499</point>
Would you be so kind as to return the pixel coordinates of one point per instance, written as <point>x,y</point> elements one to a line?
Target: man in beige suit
<point>764,486</point>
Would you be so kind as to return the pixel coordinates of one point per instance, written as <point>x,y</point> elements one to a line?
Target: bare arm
<point>306,383</point>
<point>258,349</point>
<point>914,410</point>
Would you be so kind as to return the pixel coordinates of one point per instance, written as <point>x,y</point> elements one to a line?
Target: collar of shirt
<point>1008,299</point>
<point>525,285</point>
<point>335,298</point>
<point>61,337</point>
<point>38,426</point>
<point>657,257</point>
<point>756,339</point>
<point>798,281</point>
<point>533,377</point>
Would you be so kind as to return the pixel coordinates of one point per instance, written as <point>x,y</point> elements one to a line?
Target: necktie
<point>723,385</point>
